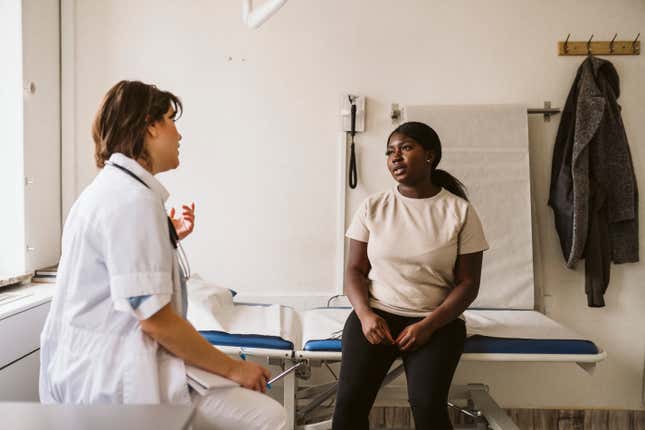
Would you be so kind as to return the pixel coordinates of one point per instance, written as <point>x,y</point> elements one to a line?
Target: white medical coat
<point>115,246</point>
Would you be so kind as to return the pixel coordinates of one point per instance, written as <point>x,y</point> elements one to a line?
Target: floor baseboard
<point>400,418</point>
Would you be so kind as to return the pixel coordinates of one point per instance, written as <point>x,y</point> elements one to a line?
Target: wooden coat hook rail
<point>609,47</point>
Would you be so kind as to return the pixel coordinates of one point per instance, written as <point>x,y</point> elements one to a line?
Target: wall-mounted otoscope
<point>353,116</point>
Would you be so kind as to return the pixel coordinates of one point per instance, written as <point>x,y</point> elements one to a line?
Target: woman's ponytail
<point>446,180</point>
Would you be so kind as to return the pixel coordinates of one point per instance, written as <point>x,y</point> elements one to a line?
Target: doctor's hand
<point>414,336</point>
<point>184,225</point>
<point>250,375</point>
<point>375,329</point>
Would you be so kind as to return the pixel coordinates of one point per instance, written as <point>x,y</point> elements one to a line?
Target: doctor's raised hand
<point>184,225</point>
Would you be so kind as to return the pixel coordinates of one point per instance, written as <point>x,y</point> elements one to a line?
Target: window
<point>29,136</point>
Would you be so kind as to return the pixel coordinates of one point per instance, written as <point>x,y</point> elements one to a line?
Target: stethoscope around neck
<point>174,238</point>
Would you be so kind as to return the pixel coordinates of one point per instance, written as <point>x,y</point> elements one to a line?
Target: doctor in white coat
<point>116,331</point>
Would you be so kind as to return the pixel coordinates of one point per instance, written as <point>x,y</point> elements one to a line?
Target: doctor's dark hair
<point>126,111</point>
<point>425,136</point>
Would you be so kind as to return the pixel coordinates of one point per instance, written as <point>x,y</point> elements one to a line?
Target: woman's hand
<point>184,225</point>
<point>250,375</point>
<point>375,329</point>
<point>414,336</point>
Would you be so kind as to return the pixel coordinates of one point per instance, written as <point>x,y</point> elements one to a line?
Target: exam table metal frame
<point>472,400</point>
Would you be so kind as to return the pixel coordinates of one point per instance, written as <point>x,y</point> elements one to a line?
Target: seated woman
<point>414,266</point>
<point>117,329</point>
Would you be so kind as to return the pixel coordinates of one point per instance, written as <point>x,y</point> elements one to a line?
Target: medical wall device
<point>255,17</point>
<point>353,121</point>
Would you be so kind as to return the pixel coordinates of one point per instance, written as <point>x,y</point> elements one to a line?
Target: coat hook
<point>611,44</point>
<point>589,45</point>
<point>566,43</point>
<point>634,42</point>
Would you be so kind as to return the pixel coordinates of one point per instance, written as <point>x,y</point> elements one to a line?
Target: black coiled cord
<point>353,173</point>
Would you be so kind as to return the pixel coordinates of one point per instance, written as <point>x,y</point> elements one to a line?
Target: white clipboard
<point>203,381</point>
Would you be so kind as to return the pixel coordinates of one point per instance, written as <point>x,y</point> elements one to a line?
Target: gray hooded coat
<point>593,187</point>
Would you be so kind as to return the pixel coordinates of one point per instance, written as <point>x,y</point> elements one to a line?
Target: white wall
<point>259,154</point>
<point>12,259</point>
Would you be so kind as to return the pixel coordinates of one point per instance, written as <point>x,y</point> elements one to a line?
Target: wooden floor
<point>528,419</point>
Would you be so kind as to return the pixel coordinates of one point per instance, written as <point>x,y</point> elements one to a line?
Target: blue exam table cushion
<point>496,345</point>
<point>246,340</point>
<point>492,345</point>
<point>334,345</point>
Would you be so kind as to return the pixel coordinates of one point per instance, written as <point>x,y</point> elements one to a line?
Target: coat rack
<point>610,47</point>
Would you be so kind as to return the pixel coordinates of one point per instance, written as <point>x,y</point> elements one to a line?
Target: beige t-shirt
<point>412,246</point>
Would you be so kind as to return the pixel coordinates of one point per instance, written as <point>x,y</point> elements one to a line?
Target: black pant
<point>429,371</point>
